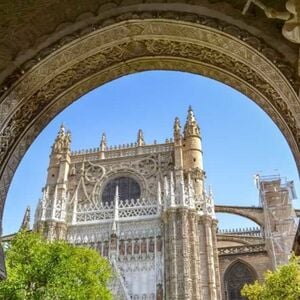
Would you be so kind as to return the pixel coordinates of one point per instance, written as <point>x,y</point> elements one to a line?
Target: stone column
<point>210,282</point>
<point>195,254</point>
<point>170,254</point>
<point>182,255</point>
<point>216,258</point>
<point>203,261</point>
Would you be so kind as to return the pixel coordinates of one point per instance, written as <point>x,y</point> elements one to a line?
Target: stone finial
<point>177,129</point>
<point>191,127</point>
<point>140,138</point>
<point>63,141</point>
<point>191,116</point>
<point>103,143</point>
<point>26,220</point>
<point>62,129</point>
<point>210,193</point>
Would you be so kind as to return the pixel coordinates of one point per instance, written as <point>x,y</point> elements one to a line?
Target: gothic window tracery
<point>235,277</point>
<point>127,186</point>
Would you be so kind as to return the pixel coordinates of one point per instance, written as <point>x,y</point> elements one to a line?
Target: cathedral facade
<point>146,208</point>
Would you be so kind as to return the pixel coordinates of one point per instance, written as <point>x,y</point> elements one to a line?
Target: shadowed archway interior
<point>236,276</point>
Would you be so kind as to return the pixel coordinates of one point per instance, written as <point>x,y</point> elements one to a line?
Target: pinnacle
<point>103,137</point>
<point>103,143</point>
<point>177,129</point>
<point>191,126</point>
<point>62,128</point>
<point>140,138</point>
<point>191,115</point>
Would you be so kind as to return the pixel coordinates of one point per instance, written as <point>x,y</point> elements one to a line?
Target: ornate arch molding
<point>238,277</point>
<point>132,46</point>
<point>241,261</point>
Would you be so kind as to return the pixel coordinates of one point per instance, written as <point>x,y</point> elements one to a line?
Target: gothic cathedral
<point>146,208</point>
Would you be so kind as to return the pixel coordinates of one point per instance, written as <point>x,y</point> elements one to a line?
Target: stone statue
<point>177,129</point>
<point>63,140</point>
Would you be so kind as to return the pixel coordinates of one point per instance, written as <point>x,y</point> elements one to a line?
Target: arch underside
<point>133,46</point>
<point>254,214</point>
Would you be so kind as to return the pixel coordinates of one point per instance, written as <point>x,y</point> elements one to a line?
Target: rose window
<point>127,186</point>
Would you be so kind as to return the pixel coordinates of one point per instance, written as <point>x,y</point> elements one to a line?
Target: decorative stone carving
<point>291,27</point>
<point>62,142</point>
<point>94,172</point>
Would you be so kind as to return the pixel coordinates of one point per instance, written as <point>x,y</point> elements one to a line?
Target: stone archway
<point>136,42</point>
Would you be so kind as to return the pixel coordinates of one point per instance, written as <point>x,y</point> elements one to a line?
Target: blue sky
<point>239,139</point>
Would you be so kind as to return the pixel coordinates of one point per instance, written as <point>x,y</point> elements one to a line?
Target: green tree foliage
<point>284,283</point>
<point>38,269</point>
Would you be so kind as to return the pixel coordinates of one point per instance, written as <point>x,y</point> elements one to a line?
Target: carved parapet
<point>242,249</point>
<point>254,231</point>
<point>128,150</point>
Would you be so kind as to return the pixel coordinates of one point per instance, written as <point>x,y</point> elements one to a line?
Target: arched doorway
<point>135,38</point>
<point>236,276</point>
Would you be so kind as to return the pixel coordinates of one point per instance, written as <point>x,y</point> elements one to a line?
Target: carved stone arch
<point>235,276</point>
<point>142,42</point>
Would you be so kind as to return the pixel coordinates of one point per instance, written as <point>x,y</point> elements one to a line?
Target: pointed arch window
<point>235,278</point>
<point>128,189</point>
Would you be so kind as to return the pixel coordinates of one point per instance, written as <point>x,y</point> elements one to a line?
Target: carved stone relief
<point>88,179</point>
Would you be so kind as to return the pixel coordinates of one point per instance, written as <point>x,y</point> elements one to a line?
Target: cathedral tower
<point>192,152</point>
<point>51,212</point>
<point>191,260</point>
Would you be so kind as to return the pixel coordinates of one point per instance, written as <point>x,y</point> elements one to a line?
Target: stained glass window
<point>128,189</point>
<point>235,278</point>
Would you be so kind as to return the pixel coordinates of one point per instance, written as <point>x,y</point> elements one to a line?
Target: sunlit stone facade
<point>146,209</point>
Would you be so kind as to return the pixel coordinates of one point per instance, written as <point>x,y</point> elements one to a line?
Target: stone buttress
<point>191,259</point>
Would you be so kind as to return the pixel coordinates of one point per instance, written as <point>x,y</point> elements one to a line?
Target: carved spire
<point>62,129</point>
<point>166,192</point>
<point>191,127</point>
<point>63,141</point>
<point>190,191</point>
<point>140,138</point>
<point>116,210</point>
<point>172,190</point>
<point>212,202</point>
<point>103,143</point>
<point>158,193</point>
<point>177,130</point>
<point>26,220</point>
